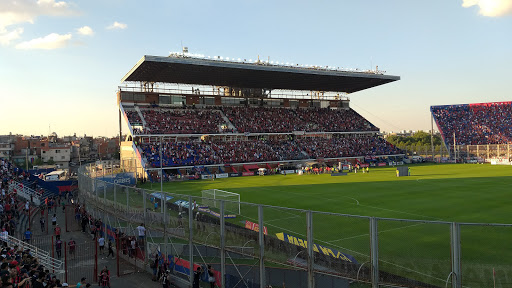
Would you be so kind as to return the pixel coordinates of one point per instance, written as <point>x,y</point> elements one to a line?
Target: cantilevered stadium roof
<point>188,70</point>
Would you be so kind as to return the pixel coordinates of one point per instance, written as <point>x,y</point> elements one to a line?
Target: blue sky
<point>55,74</point>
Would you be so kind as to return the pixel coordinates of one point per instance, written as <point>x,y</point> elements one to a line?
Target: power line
<point>398,128</point>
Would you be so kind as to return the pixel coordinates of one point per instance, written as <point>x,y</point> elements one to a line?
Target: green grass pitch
<point>446,192</point>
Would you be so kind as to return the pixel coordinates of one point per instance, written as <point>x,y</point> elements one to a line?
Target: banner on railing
<point>255,227</point>
<point>205,209</point>
<point>317,248</point>
<point>159,196</point>
<point>183,267</point>
<point>120,178</point>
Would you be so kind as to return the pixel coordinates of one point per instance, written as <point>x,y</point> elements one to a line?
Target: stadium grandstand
<point>474,124</point>
<point>186,113</point>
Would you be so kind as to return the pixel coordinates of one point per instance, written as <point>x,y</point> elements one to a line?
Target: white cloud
<point>48,42</point>
<point>490,8</point>
<point>14,12</point>
<point>117,25</point>
<point>86,30</point>
<point>8,36</point>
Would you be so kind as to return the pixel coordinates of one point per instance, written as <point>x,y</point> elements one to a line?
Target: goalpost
<point>230,206</point>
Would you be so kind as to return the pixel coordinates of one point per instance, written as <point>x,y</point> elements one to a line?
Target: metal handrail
<point>42,255</point>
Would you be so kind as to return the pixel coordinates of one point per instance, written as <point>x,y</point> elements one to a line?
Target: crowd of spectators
<point>263,119</point>
<point>19,268</point>
<point>346,147</point>
<point>185,120</point>
<point>193,153</point>
<point>133,117</point>
<point>475,124</point>
<point>9,205</point>
<point>285,120</point>
<point>182,121</point>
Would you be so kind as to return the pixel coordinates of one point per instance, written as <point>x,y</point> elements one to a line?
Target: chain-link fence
<point>463,152</point>
<point>250,245</point>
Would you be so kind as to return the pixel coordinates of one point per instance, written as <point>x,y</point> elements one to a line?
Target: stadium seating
<point>247,119</point>
<point>243,120</point>
<point>475,124</point>
<point>193,153</point>
<point>182,121</point>
<point>284,120</point>
<point>346,147</point>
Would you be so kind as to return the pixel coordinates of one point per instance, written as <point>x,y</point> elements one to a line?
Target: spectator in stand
<point>28,235</point>
<point>58,247</point>
<point>72,245</point>
<point>54,220</point>
<point>101,244</point>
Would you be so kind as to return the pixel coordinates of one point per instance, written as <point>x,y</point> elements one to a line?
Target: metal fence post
<point>222,244</point>
<point>115,196</point>
<point>127,199</point>
<point>164,204</point>
<point>311,272</point>
<point>374,252</point>
<point>191,240</point>
<point>104,192</point>
<point>261,242</point>
<point>144,204</point>
<point>455,249</point>
<point>95,185</point>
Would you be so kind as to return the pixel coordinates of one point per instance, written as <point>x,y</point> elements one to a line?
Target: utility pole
<point>26,158</point>
<point>454,148</point>
<point>432,135</point>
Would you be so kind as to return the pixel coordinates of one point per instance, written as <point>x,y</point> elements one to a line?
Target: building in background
<point>7,146</point>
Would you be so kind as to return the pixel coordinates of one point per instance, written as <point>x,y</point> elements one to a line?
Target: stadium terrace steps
<point>228,123</point>
<point>140,116</point>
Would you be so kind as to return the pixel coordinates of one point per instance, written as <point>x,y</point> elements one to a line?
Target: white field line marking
<point>296,216</point>
<point>305,194</point>
<point>380,231</point>
<point>402,212</point>
<point>357,203</point>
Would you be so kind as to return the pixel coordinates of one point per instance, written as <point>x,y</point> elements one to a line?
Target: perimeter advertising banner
<point>317,248</point>
<point>255,227</point>
<point>205,209</point>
